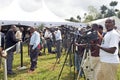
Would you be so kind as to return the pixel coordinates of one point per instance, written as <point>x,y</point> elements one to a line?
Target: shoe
<point>35,66</point>
<point>11,73</point>
<point>30,71</point>
<point>77,71</point>
<point>58,61</point>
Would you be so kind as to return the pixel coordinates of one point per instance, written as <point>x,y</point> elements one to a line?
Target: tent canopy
<point>102,21</point>
<point>14,14</point>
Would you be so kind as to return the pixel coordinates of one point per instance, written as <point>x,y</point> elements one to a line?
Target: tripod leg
<point>63,66</point>
<point>70,63</point>
<point>55,64</point>
<point>0,62</point>
<point>82,62</point>
<point>91,66</point>
<point>88,69</point>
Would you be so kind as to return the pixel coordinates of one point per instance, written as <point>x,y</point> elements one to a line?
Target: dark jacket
<point>2,40</point>
<point>10,39</point>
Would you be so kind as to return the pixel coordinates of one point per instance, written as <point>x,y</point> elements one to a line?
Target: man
<point>109,53</point>
<point>18,35</point>
<point>48,38</point>
<point>115,27</point>
<point>58,38</point>
<point>34,48</point>
<point>10,41</point>
<point>1,46</point>
<point>92,63</point>
<point>1,41</point>
<point>79,50</point>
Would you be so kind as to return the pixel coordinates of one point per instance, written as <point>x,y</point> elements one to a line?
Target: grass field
<point>44,70</point>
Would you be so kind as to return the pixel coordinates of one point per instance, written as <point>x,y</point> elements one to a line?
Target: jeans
<point>78,60</point>
<point>49,45</point>
<point>9,62</point>
<point>58,48</point>
<point>33,58</point>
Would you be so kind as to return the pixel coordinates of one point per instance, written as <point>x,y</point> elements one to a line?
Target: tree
<point>93,11</point>
<point>118,14</point>
<point>110,13</point>
<point>72,19</point>
<point>88,18</point>
<point>100,16</point>
<point>93,14</point>
<point>79,18</point>
<point>103,9</point>
<point>41,27</point>
<point>113,4</point>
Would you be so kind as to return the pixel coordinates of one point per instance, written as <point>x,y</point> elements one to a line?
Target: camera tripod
<point>86,64</point>
<point>70,58</point>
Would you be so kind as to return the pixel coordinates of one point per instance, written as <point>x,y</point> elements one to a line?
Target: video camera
<point>87,36</point>
<point>67,29</point>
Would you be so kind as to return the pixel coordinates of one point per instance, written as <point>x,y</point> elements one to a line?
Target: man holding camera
<point>79,51</point>
<point>92,59</point>
<point>48,37</point>
<point>58,38</point>
<point>109,59</point>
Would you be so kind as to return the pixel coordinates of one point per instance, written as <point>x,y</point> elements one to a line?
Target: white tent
<point>14,14</point>
<point>102,21</point>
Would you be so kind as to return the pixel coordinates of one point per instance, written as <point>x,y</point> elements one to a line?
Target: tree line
<point>94,14</point>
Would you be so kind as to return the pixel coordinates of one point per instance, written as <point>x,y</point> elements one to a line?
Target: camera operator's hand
<point>20,39</point>
<point>83,45</point>
<point>98,45</point>
<point>3,54</point>
<point>76,44</point>
<point>0,49</point>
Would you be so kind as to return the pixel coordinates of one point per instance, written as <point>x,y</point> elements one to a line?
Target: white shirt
<point>111,39</point>
<point>18,35</point>
<point>35,39</point>
<point>118,33</point>
<point>58,35</point>
<point>48,34</point>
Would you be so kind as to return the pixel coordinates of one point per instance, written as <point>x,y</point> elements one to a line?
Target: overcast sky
<point>62,8</point>
<point>68,8</point>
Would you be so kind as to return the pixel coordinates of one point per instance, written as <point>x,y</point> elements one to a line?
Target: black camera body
<point>89,35</point>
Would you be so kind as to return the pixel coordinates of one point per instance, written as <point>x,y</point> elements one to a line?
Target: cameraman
<point>58,38</point>
<point>79,51</point>
<point>48,37</point>
<point>91,72</point>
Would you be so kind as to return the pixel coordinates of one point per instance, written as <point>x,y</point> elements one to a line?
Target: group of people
<point>14,36</point>
<point>35,44</point>
<point>104,50</point>
<point>103,61</point>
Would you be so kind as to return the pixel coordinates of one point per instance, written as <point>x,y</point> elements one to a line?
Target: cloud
<point>5,3</point>
<point>61,8</point>
<point>30,5</point>
<point>68,8</point>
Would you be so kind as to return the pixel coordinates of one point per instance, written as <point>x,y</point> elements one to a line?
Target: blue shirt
<point>35,39</point>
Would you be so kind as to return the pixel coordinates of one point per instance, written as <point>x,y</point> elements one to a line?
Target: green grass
<point>44,70</point>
